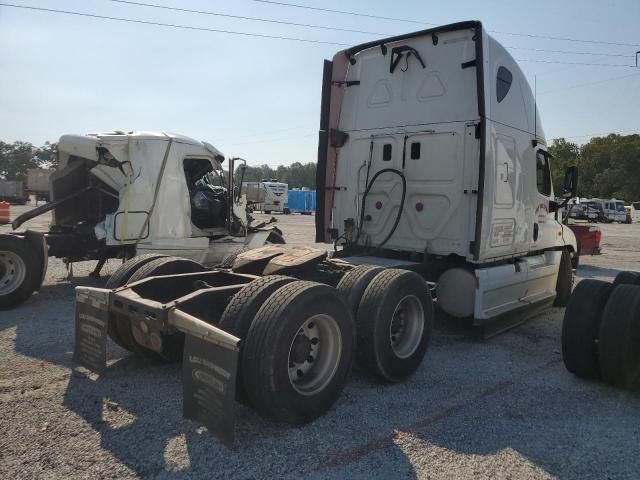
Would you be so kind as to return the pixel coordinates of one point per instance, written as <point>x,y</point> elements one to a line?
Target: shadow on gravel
<point>45,323</point>
<point>592,271</point>
<point>144,404</point>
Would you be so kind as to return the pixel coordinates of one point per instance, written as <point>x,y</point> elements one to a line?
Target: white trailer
<point>38,182</point>
<point>432,168</point>
<point>635,212</point>
<point>266,196</point>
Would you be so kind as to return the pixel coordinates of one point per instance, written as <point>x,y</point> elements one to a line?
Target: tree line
<point>296,175</point>
<point>17,157</point>
<point>609,167</point>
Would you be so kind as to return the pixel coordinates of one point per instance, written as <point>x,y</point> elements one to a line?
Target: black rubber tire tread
<point>229,259</point>
<point>118,279</point>
<point>172,345</point>
<point>267,347</point>
<point>619,340</point>
<point>29,254</point>
<point>242,309</point>
<point>564,283</point>
<point>122,275</point>
<point>374,352</point>
<point>353,284</point>
<point>275,238</point>
<point>627,278</point>
<point>581,327</point>
<point>166,266</point>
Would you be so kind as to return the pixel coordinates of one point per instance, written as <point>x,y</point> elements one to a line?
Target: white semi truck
<point>432,170</point>
<point>123,194</point>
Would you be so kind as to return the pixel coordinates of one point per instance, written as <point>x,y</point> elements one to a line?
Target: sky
<point>259,97</point>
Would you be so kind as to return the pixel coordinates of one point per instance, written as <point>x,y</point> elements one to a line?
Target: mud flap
<point>209,371</point>
<point>92,318</point>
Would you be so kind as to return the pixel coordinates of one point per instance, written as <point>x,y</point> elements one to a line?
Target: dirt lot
<point>502,408</point>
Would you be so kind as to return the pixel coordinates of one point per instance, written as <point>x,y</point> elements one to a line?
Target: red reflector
<point>419,206</point>
<point>378,205</point>
<point>598,236</point>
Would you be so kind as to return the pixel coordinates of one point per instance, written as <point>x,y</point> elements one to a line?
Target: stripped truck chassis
<point>211,354</point>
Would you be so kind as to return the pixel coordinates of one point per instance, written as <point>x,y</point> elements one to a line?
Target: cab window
<point>543,173</point>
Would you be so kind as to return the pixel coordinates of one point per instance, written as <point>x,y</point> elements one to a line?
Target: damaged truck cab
<point>122,194</point>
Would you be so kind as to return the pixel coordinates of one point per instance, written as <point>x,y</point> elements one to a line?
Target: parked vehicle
<point>301,201</point>
<point>266,196</point>
<point>13,191</point>
<point>600,331</point>
<point>458,194</point>
<point>38,182</point>
<point>635,212</point>
<point>589,237</point>
<point>612,210</point>
<point>118,195</point>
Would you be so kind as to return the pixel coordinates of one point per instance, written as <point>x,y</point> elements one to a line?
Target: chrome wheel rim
<point>314,354</point>
<point>13,271</point>
<point>407,326</point>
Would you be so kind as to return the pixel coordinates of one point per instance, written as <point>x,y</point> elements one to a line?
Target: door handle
<point>535,232</point>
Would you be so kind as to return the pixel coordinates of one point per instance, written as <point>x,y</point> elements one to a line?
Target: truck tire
<point>619,338</point>
<point>353,284</point>
<point>564,281</point>
<point>120,278</point>
<point>581,327</point>
<point>229,259</point>
<point>298,352</point>
<point>20,270</point>
<point>172,344</point>
<point>275,238</point>
<point>627,278</point>
<point>242,309</point>
<point>166,266</point>
<point>394,324</point>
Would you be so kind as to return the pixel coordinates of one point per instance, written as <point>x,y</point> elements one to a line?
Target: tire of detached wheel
<point>581,327</point>
<point>118,279</point>
<point>353,284</point>
<point>627,278</point>
<point>172,345</point>
<point>394,324</point>
<point>298,352</point>
<point>619,338</point>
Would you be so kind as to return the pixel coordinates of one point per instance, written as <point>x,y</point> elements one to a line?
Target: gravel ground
<point>500,408</point>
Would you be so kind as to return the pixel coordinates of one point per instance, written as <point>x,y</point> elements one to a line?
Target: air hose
<point>398,216</point>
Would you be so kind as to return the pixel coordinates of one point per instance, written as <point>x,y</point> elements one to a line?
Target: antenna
<point>534,142</point>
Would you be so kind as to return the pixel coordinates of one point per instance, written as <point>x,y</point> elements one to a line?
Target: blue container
<point>301,201</point>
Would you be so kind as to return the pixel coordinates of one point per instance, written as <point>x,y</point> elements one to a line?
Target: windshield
<point>620,206</point>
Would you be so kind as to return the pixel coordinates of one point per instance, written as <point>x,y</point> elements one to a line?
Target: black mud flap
<point>209,371</point>
<point>92,317</point>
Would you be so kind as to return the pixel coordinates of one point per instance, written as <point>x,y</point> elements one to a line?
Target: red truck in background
<point>588,237</point>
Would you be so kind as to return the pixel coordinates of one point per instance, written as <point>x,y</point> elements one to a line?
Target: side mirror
<point>570,188</point>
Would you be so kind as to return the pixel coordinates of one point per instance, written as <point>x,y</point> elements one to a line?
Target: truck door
<point>545,227</point>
